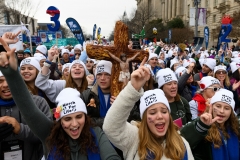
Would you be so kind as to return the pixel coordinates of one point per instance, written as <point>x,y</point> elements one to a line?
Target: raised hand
<point>10,38</point>
<point>207,118</point>
<point>235,85</point>
<point>8,58</point>
<point>140,76</point>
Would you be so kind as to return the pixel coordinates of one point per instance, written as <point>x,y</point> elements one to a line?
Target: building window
<point>215,2</point>
<point>207,3</point>
<point>214,18</point>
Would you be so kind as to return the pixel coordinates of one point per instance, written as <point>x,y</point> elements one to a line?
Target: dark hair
<point>58,139</point>
<point>20,52</point>
<point>236,75</point>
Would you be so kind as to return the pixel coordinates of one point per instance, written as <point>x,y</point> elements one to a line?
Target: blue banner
<point>94,31</point>
<point>169,34</point>
<point>206,36</point>
<point>99,31</point>
<point>76,29</point>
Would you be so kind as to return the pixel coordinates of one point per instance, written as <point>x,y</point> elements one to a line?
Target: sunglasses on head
<point>221,72</point>
<point>215,89</point>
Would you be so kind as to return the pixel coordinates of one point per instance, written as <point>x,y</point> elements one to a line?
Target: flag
<point>24,28</point>
<point>142,33</point>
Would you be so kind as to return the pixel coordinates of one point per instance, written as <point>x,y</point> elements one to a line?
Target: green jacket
<point>195,133</point>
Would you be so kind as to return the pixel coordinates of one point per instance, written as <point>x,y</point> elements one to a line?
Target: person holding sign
<point>215,135</point>
<point>156,136</point>
<point>72,135</point>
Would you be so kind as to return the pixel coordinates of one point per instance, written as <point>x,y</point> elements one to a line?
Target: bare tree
<point>18,10</point>
<point>143,15</point>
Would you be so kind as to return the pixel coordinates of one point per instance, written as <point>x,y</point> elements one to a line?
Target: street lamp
<point>196,3</point>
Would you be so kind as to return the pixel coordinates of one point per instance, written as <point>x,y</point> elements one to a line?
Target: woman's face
<point>221,75</point>
<point>190,79</point>
<point>41,62</point>
<point>158,119</point>
<point>28,73</point>
<point>73,124</point>
<point>205,69</point>
<point>162,56</point>
<point>66,72</point>
<point>175,66</point>
<point>222,110</point>
<point>89,64</point>
<point>77,71</point>
<point>209,92</point>
<point>170,89</point>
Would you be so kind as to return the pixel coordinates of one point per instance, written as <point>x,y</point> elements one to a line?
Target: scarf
<point>75,150</point>
<point>201,103</point>
<point>4,103</point>
<point>103,108</point>
<point>229,151</point>
<point>156,69</point>
<point>201,75</point>
<point>151,155</point>
<point>193,89</point>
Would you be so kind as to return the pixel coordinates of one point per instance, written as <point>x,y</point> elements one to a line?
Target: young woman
<point>215,135</point>
<point>208,87</point>
<point>76,79</point>
<point>167,81</point>
<point>186,87</point>
<point>29,69</point>
<point>71,136</point>
<point>156,136</point>
<point>65,71</point>
<point>89,65</point>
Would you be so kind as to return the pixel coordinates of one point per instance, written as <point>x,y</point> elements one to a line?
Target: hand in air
<point>140,76</point>
<point>207,117</point>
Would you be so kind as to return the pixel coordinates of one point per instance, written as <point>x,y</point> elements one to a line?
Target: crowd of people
<point>179,104</point>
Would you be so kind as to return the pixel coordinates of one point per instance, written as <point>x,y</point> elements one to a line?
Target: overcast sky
<point>103,13</point>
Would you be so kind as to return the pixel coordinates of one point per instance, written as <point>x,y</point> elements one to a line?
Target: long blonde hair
<point>214,135</point>
<point>226,80</point>
<point>174,149</point>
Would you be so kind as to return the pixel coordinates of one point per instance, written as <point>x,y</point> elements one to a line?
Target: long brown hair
<point>70,83</point>
<point>58,139</point>
<point>214,135</point>
<point>174,148</point>
<point>33,90</point>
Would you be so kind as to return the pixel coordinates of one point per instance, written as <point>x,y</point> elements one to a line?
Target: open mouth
<point>74,131</point>
<point>160,127</point>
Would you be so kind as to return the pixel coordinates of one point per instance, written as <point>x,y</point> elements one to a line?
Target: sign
<point>94,31</point>
<point>55,13</point>
<point>76,29</point>
<point>47,36</point>
<point>206,36</point>
<point>14,29</point>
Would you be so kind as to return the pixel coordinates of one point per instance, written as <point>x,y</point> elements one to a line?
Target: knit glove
<point>5,130</point>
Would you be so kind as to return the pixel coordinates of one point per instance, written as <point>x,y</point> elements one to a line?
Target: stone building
<point>169,9</point>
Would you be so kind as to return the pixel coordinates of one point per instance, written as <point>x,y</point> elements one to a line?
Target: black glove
<point>5,130</point>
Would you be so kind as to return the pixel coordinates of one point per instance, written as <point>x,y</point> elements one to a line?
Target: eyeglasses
<point>215,89</point>
<point>221,72</point>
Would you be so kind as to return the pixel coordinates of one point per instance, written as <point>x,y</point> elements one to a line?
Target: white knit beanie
<point>39,56</point>
<point>152,97</point>
<point>220,67</point>
<point>103,66</point>
<point>211,63</point>
<point>152,55</point>
<point>164,76</point>
<point>234,66</point>
<point>78,62</point>
<point>42,49</point>
<point>207,82</point>
<point>223,95</point>
<point>186,63</point>
<point>65,66</point>
<point>78,46</point>
<point>173,61</point>
<point>68,101</point>
<point>32,61</point>
<point>65,51</point>
<point>180,71</point>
